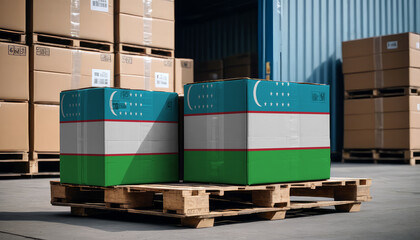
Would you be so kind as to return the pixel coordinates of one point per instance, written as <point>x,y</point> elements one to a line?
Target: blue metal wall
<point>302,40</point>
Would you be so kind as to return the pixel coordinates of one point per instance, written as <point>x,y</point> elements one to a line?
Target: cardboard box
<point>254,131</point>
<point>144,72</point>
<point>401,77</point>
<point>14,126</point>
<point>393,60</point>
<point>387,104</point>
<point>131,139</point>
<point>382,120</point>
<point>162,9</point>
<point>244,65</point>
<point>151,32</point>
<point>14,72</point>
<point>382,44</point>
<point>209,70</point>
<point>90,19</point>
<point>13,15</point>
<point>184,73</point>
<point>56,69</point>
<point>45,128</point>
<point>386,139</point>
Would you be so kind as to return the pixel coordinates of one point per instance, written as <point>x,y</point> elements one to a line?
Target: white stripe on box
<point>256,131</point>
<point>118,137</point>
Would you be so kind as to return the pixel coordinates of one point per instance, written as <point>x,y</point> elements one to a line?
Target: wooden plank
<point>145,50</point>
<point>76,43</point>
<point>11,36</point>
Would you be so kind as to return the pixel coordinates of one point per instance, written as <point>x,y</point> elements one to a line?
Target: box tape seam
<point>379,122</point>
<point>379,79</point>
<point>76,66</point>
<point>147,72</point>
<point>147,22</point>
<point>75,18</point>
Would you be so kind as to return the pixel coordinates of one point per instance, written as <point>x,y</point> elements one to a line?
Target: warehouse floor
<point>394,213</point>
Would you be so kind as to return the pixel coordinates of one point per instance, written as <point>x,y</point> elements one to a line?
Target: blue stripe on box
<point>118,104</point>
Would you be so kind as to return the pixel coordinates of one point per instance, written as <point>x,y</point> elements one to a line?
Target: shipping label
<point>161,80</point>
<point>17,50</point>
<point>101,78</point>
<point>42,51</point>
<point>126,59</point>
<point>99,5</point>
<point>392,45</point>
<point>106,57</point>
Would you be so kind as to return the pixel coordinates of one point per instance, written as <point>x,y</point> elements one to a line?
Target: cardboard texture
<point>244,65</point>
<point>253,132</point>
<point>382,44</point>
<point>162,9</point>
<point>118,136</point>
<point>14,126</point>
<point>404,59</point>
<point>151,32</point>
<point>401,77</point>
<point>13,15</point>
<point>56,69</point>
<point>210,70</point>
<point>184,73</point>
<point>90,19</point>
<point>14,72</point>
<point>45,128</point>
<point>144,72</point>
<point>369,122</point>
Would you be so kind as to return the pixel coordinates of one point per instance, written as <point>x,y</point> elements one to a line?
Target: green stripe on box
<point>117,170</point>
<point>256,167</point>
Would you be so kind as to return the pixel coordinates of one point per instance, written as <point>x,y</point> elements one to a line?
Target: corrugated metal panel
<point>220,37</point>
<point>307,37</point>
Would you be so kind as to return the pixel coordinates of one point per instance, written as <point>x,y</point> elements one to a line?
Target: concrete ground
<point>394,213</point>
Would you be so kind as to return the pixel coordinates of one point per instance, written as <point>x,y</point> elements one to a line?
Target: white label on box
<point>99,5</point>
<point>101,78</point>
<point>161,80</point>
<point>418,106</point>
<point>417,44</point>
<point>392,45</point>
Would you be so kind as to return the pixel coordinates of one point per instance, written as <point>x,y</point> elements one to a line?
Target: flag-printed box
<point>114,136</point>
<point>254,131</point>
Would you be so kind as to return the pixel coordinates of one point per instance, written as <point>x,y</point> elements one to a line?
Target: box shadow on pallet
<point>197,205</point>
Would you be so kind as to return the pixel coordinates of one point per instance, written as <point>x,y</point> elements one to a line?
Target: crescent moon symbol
<point>61,105</point>
<point>110,103</point>
<point>188,97</point>
<point>255,94</point>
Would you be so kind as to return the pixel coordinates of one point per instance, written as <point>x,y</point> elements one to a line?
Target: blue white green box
<point>118,136</point>
<point>249,131</point>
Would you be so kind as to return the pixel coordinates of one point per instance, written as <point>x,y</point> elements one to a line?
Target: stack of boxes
<point>68,50</point>
<point>14,85</point>
<point>381,81</point>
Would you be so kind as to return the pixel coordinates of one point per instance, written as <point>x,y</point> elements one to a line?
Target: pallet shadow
<point>109,221</point>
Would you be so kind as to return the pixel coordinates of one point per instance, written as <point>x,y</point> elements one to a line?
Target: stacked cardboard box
<point>385,70</point>
<point>249,131</point>
<point>61,31</point>
<point>244,65</point>
<point>14,87</point>
<point>209,70</point>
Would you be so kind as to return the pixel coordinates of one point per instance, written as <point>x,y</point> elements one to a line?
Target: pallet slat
<point>382,92</point>
<point>194,202</point>
<point>145,50</point>
<point>382,155</point>
<point>60,41</point>
<point>12,36</point>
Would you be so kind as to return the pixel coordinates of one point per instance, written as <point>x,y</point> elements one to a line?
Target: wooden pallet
<point>381,155</point>
<point>60,41</point>
<point>197,205</point>
<point>144,50</point>
<point>12,36</point>
<point>24,164</point>
<point>382,92</point>
<point>14,156</point>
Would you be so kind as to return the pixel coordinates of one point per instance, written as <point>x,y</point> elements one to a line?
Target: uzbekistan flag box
<point>249,131</point>
<point>118,136</point>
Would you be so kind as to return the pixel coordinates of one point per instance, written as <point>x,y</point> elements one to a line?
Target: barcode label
<point>99,5</point>
<point>101,78</point>
<point>161,80</point>
<point>417,44</point>
<point>392,45</point>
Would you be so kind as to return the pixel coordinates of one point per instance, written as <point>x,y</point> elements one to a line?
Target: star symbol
<point>265,104</point>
